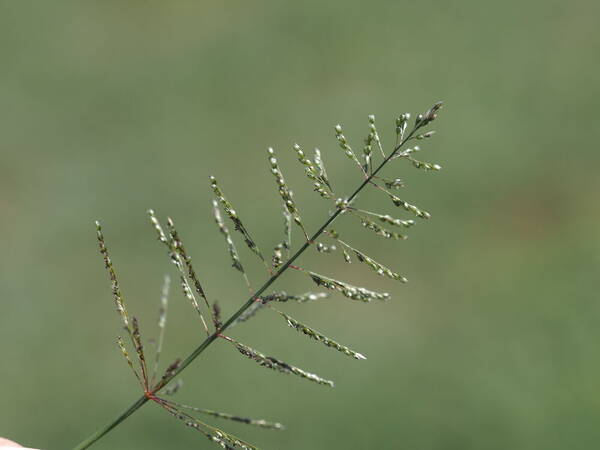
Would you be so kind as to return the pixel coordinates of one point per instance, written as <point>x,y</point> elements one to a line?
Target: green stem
<point>210,339</point>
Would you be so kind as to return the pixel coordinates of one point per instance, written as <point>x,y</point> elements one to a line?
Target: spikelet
<point>116,290</point>
<point>232,214</point>
<point>284,190</point>
<point>249,313</point>
<point>343,142</point>
<point>347,257</point>
<point>324,248</point>
<point>173,388</point>
<point>379,268</point>
<point>380,231</point>
<point>225,232</point>
<point>283,297</point>
<point>401,124</point>
<point>396,183</point>
<point>314,334</point>
<point>321,167</point>
<point>429,116</point>
<point>367,151</point>
<point>162,237</point>
<point>287,230</point>
<point>164,303</point>
<point>425,135</point>
<point>280,366</point>
<point>348,290</point>
<point>221,415</point>
<point>408,207</point>
<point>407,152</point>
<point>319,189</point>
<point>277,259</point>
<point>169,373</point>
<point>157,227</point>
<point>425,165</point>
<point>217,316</point>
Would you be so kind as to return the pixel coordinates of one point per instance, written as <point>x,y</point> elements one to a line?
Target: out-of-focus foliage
<point>110,108</point>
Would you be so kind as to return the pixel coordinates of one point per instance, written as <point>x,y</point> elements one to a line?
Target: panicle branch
<point>284,191</point>
<point>116,290</point>
<point>348,290</point>
<point>314,173</point>
<point>222,415</point>
<point>278,365</point>
<point>232,214</point>
<point>179,258</point>
<point>318,336</point>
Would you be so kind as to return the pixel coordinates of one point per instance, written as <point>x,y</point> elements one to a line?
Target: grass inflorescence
<point>156,388</point>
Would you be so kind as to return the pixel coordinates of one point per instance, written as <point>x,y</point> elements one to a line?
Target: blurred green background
<point>113,107</point>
